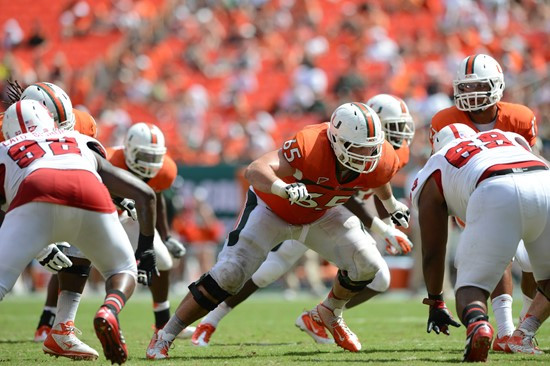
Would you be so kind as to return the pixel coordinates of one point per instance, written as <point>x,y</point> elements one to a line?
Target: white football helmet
<point>144,149</point>
<point>26,116</point>
<point>473,71</point>
<point>56,100</point>
<point>356,126</point>
<point>451,132</point>
<point>396,120</point>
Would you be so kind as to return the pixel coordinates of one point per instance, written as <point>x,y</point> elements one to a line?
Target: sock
<point>115,301</point>
<point>173,328</point>
<point>527,301</point>
<point>502,308</point>
<point>67,305</point>
<point>162,313</point>
<point>529,325</point>
<point>334,303</point>
<point>47,317</point>
<point>472,314</point>
<point>216,315</point>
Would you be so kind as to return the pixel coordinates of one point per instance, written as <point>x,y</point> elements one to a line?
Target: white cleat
<point>159,346</point>
<point>62,341</point>
<point>187,333</point>
<point>525,343</point>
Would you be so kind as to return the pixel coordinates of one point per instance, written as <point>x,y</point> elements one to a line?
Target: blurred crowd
<point>229,80</point>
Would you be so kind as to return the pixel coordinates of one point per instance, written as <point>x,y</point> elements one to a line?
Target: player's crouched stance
<point>297,193</point>
<point>484,179</point>
<point>52,186</point>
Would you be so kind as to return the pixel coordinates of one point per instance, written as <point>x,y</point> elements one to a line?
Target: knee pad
<point>348,284</point>
<point>212,288</point>
<point>381,281</point>
<point>79,270</point>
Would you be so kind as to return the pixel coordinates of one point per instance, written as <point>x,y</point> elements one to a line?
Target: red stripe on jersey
<point>74,188</point>
<point>455,131</point>
<point>20,119</point>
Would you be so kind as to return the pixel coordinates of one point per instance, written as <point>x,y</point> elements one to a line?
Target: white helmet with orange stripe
<point>478,84</point>
<point>451,132</point>
<point>56,100</point>
<point>144,149</point>
<point>396,120</point>
<point>26,116</point>
<point>356,136</point>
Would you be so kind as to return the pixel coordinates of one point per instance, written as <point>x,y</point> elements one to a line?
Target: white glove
<point>128,205</point>
<point>398,211</point>
<point>53,259</point>
<point>396,241</point>
<point>294,192</point>
<point>175,247</point>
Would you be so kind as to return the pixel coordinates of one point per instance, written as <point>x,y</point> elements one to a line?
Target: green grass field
<point>261,332</point>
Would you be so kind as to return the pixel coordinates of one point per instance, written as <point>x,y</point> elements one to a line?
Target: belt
<point>494,171</point>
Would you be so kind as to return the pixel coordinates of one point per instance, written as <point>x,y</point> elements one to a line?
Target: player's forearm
<point>433,268</point>
<point>162,220</point>
<point>383,192</point>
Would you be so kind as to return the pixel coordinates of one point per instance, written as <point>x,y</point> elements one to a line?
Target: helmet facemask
<point>146,161</point>
<point>399,130</point>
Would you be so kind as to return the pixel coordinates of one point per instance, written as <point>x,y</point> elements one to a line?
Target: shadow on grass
<point>15,341</point>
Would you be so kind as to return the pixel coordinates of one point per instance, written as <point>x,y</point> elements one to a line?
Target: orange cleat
<point>478,341</point>
<point>335,324</point>
<point>201,336</point>
<point>108,331</point>
<point>313,329</point>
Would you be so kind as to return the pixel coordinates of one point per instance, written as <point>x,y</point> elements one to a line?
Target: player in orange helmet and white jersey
<point>298,192</point>
<point>52,190</point>
<point>493,182</point>
<point>478,89</point>
<point>398,127</point>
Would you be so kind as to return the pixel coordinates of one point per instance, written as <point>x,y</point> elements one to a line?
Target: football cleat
<point>108,331</point>
<point>159,346</point>
<point>499,344</point>
<point>478,341</point>
<point>525,343</point>
<point>335,324</point>
<point>314,330</point>
<point>62,341</point>
<point>201,336</point>
<point>41,333</point>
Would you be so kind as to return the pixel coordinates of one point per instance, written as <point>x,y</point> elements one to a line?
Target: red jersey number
<point>459,155</point>
<point>25,152</point>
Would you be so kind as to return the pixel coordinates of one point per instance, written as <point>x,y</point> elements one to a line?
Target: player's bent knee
<point>381,281</point>
<point>270,271</point>
<point>544,288</point>
<point>164,262</point>
<point>78,270</point>
<point>210,286</point>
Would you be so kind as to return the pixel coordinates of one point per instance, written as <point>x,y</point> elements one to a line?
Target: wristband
<point>378,226</point>
<point>144,243</point>
<point>278,188</point>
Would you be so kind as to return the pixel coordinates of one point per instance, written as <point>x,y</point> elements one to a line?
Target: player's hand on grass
<point>440,317</point>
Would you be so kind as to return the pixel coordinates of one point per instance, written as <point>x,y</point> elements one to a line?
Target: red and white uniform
<point>53,193</point>
<point>162,181</point>
<point>321,223</point>
<point>502,192</point>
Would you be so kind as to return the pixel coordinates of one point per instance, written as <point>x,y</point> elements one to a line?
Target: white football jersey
<point>60,150</point>
<point>462,163</point>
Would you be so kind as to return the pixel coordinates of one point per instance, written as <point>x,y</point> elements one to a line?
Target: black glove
<point>147,265</point>
<point>440,317</point>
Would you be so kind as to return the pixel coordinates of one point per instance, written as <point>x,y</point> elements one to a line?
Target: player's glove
<point>175,247</point>
<point>147,266</point>
<point>440,317</point>
<point>396,241</point>
<point>128,205</point>
<point>53,259</point>
<point>398,211</point>
<point>294,192</point>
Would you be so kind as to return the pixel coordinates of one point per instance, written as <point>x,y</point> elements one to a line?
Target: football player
<point>398,126</point>
<point>298,192</point>
<point>53,190</point>
<point>485,179</point>
<point>478,88</point>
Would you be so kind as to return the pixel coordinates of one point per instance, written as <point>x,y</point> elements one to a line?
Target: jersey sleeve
<point>295,151</point>
<point>165,177</point>
<point>403,153</point>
